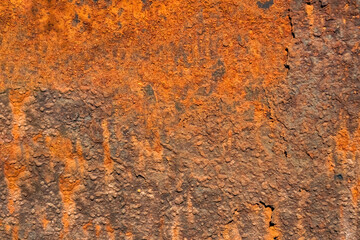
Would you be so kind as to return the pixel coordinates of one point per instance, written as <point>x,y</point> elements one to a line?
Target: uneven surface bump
<point>149,119</point>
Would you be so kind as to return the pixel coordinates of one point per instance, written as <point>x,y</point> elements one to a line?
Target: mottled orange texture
<point>61,149</point>
<point>110,232</point>
<point>100,45</point>
<point>68,187</point>
<point>147,119</point>
<point>348,146</point>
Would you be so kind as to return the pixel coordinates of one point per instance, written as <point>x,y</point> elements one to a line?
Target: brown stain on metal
<point>80,158</point>
<point>108,164</point>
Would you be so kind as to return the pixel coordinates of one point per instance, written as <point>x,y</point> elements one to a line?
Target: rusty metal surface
<point>216,119</point>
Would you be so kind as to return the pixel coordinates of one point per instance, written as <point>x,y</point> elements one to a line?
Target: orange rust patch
<point>87,225</point>
<point>13,173</point>
<point>355,191</point>
<point>343,140</point>
<point>15,232</point>
<point>68,187</point>
<point>61,33</point>
<point>231,232</point>
<point>129,236</point>
<point>273,232</point>
<point>97,230</point>
<point>110,231</point>
<point>176,229</point>
<point>309,11</point>
<point>12,153</point>
<point>346,143</point>
<point>7,228</point>
<point>45,222</point>
<point>61,148</point>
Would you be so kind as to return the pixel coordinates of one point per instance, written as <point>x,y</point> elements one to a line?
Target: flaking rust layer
<point>149,119</point>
